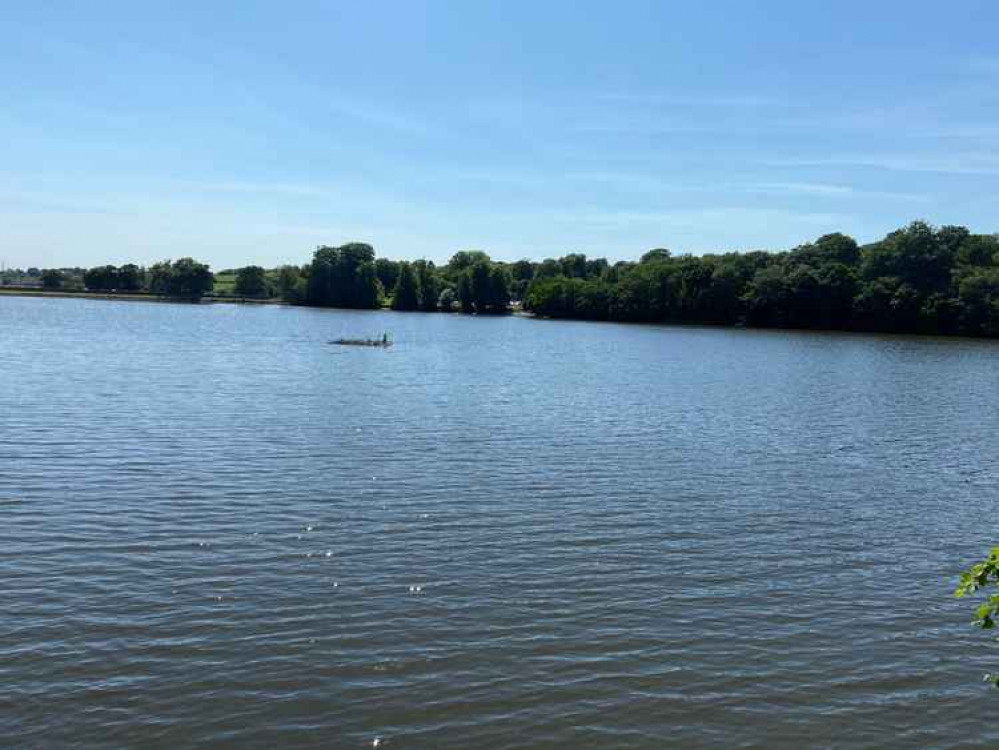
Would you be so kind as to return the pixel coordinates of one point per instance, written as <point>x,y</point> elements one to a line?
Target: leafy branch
<point>979,576</point>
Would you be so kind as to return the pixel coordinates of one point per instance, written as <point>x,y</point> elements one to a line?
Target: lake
<point>217,530</point>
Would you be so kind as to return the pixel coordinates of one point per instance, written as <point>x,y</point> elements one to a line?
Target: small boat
<point>384,342</point>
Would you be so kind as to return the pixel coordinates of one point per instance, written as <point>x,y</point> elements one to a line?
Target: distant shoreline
<point>136,296</point>
<point>517,312</point>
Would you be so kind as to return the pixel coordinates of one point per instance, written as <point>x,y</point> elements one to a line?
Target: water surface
<point>218,531</point>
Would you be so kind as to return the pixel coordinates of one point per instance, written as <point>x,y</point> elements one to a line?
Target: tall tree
<point>101,278</point>
<point>406,295</point>
<point>499,290</point>
<point>288,283</point>
<point>131,278</point>
<point>251,281</point>
<point>343,277</point>
<point>388,273</point>
<point>191,278</point>
<point>53,278</point>
<point>464,293</point>
<point>185,277</point>
<point>429,283</point>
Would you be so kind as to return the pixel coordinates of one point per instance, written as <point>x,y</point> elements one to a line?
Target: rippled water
<point>218,531</point>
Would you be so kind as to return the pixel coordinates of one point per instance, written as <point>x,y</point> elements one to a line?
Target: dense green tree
<point>465,259</point>
<point>480,277</point>
<point>521,273</point>
<point>53,278</point>
<point>656,255</point>
<point>387,272</point>
<point>185,277</point>
<point>366,293</point>
<point>131,278</point>
<point>406,295</point>
<point>343,277</point>
<point>447,300</point>
<point>916,255</point>
<point>916,279</point>
<point>573,265</point>
<point>101,278</point>
<point>549,268</point>
<point>978,250</point>
<point>487,288</point>
<point>978,300</point>
<point>499,290</point>
<point>596,268</point>
<point>251,281</point>
<point>428,282</point>
<point>289,280</point>
<point>829,248</point>
<point>159,277</point>
<point>522,270</point>
<point>464,292</point>
<point>191,278</point>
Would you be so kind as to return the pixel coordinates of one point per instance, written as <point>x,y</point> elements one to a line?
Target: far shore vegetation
<point>918,279</point>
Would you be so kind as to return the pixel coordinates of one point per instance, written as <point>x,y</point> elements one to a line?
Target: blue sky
<point>250,132</point>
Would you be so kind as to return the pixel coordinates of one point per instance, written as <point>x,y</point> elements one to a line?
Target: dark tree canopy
<point>53,278</point>
<point>658,254</point>
<point>291,284</point>
<point>447,300</point>
<point>917,279</point>
<point>387,272</point>
<point>465,259</point>
<point>406,295</point>
<point>343,277</point>
<point>429,284</point>
<point>131,278</point>
<point>463,291</point>
<point>251,281</point>
<point>101,278</point>
<point>185,277</point>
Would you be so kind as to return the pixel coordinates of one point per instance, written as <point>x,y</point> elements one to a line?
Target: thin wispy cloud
<point>800,188</point>
<point>985,165</point>
<point>829,191</point>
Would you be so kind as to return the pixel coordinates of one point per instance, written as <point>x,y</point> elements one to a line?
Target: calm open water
<point>218,531</point>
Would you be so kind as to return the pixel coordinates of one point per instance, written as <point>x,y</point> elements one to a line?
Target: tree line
<point>918,278</point>
<point>351,276</point>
